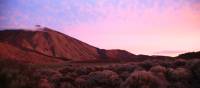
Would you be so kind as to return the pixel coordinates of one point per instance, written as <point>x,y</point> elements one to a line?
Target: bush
<point>159,71</point>
<point>44,83</point>
<point>17,75</point>
<point>194,67</point>
<point>122,68</point>
<point>142,79</point>
<point>105,79</point>
<point>179,62</point>
<point>178,77</point>
<point>147,64</point>
<point>83,82</point>
<point>124,75</point>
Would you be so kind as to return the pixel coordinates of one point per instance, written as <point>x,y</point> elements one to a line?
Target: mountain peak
<point>47,42</point>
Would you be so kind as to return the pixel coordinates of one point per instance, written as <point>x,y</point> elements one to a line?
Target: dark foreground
<point>172,73</point>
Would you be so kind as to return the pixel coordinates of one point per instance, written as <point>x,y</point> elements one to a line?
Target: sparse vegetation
<point>158,73</point>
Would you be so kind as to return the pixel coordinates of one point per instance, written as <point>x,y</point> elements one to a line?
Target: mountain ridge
<point>50,43</point>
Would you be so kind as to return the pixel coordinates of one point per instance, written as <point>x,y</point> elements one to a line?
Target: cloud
<point>170,52</point>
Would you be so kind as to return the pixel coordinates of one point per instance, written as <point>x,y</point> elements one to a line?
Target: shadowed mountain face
<point>189,55</point>
<point>49,43</point>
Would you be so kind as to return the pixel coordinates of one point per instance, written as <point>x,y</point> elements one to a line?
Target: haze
<point>153,27</point>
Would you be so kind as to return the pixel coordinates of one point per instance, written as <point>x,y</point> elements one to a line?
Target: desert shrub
<point>139,68</point>
<point>178,77</point>
<point>104,79</point>
<point>67,69</point>
<point>65,81</point>
<point>142,79</point>
<point>83,71</point>
<point>147,64</point>
<point>194,67</point>
<point>122,68</point>
<point>44,83</point>
<point>179,62</point>
<point>15,74</point>
<point>66,85</point>
<point>99,68</point>
<point>124,75</point>
<point>83,82</point>
<point>167,64</point>
<point>177,74</point>
<point>159,71</point>
<point>182,73</point>
<point>72,74</point>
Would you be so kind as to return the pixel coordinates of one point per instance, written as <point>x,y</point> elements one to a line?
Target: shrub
<point>67,69</point>
<point>17,75</point>
<point>142,79</point>
<point>121,68</point>
<point>178,77</point>
<point>179,62</point>
<point>105,79</point>
<point>66,85</point>
<point>194,67</point>
<point>83,71</point>
<point>44,83</point>
<point>147,64</point>
<point>83,82</point>
<point>159,71</point>
<point>124,75</point>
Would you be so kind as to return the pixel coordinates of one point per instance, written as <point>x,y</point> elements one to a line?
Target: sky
<point>152,27</point>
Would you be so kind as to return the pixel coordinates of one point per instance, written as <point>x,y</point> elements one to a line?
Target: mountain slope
<point>189,55</point>
<point>10,52</point>
<point>55,44</point>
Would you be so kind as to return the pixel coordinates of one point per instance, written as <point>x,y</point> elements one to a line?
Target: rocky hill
<point>45,42</point>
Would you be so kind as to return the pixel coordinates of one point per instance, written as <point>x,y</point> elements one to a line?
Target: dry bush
<point>194,67</point>
<point>177,74</point>
<point>178,77</point>
<point>124,75</point>
<point>157,69</point>
<point>104,79</point>
<point>83,82</point>
<point>67,69</point>
<point>122,68</point>
<point>44,83</point>
<point>83,71</point>
<point>160,72</point>
<point>15,74</point>
<point>66,85</point>
<point>147,64</point>
<point>179,62</point>
<point>182,73</point>
<point>167,64</point>
<point>142,79</point>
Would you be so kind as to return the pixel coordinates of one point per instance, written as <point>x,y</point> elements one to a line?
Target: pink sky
<point>167,32</point>
<point>153,27</point>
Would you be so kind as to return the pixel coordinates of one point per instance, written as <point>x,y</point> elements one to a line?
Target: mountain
<point>10,52</point>
<point>189,55</point>
<point>47,43</point>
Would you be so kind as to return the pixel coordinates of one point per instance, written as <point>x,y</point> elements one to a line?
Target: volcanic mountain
<point>46,43</point>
